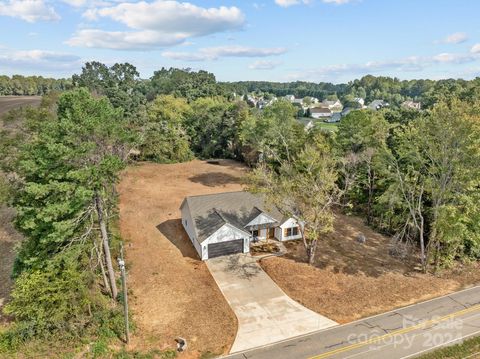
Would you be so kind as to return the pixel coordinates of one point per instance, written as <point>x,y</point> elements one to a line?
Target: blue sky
<point>275,40</point>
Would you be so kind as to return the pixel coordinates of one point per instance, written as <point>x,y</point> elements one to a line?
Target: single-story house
<point>334,105</point>
<point>336,117</point>
<point>412,105</point>
<point>226,223</point>
<point>320,112</point>
<point>377,105</point>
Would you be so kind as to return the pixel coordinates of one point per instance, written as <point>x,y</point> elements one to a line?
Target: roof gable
<point>227,230</point>
<point>262,218</point>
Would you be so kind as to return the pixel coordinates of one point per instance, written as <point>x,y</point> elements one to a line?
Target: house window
<point>255,233</point>
<point>186,224</point>
<point>290,232</point>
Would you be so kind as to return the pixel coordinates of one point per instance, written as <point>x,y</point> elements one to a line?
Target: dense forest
<point>31,85</point>
<point>191,85</point>
<point>413,175</point>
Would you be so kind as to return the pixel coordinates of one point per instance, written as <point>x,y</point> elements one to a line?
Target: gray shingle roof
<point>210,212</point>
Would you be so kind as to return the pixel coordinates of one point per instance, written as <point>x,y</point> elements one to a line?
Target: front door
<point>270,233</point>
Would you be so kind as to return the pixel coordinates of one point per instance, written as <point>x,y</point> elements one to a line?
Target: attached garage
<point>225,248</point>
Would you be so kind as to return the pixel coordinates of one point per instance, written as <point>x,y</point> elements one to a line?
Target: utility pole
<point>121,264</point>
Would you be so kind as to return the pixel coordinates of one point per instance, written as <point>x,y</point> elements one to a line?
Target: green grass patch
<point>152,354</point>
<point>469,348</point>
<point>327,126</point>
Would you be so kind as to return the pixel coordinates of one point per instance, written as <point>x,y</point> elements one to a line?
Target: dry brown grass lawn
<point>173,293</point>
<point>352,280</point>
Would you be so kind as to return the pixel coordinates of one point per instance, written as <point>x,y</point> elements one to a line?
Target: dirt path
<point>173,291</point>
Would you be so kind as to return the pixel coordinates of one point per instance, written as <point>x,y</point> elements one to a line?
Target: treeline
<point>195,84</point>
<point>18,85</point>
<point>369,87</point>
<point>299,89</point>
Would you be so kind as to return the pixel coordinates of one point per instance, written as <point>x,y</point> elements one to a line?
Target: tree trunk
<point>434,241</point>
<point>422,245</point>
<point>371,179</point>
<point>311,254</point>
<point>106,245</point>
<point>102,268</point>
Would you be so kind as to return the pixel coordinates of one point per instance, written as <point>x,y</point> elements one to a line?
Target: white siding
<point>227,232</point>
<point>321,115</point>
<point>287,224</point>
<point>187,223</point>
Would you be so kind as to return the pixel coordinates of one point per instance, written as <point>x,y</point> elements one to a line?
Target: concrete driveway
<point>265,313</point>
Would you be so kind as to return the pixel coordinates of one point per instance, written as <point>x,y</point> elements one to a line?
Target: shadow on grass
<point>214,179</point>
<point>173,230</point>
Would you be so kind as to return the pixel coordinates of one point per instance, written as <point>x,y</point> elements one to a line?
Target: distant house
<point>412,105</point>
<point>334,105</point>
<point>252,101</point>
<point>298,101</point>
<point>376,105</point>
<point>290,98</point>
<point>226,223</point>
<point>360,101</point>
<point>346,111</point>
<point>320,112</point>
<point>336,117</point>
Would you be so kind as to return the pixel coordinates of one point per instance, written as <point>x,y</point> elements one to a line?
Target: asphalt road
<point>402,333</point>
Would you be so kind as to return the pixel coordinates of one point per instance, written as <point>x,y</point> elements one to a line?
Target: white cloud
<point>450,58</point>
<point>456,38</point>
<point>76,3</point>
<point>475,49</point>
<point>156,24</point>
<point>338,2</point>
<point>288,3</point>
<point>213,53</point>
<point>39,59</point>
<point>408,64</point>
<point>124,40</point>
<point>28,10</point>
<point>90,3</point>
<point>264,65</point>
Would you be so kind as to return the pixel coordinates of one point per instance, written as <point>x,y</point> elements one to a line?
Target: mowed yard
<point>173,293</point>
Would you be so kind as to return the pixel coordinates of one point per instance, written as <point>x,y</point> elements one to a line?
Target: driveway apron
<point>265,313</point>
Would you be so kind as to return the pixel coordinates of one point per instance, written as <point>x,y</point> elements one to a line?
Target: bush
<point>4,189</point>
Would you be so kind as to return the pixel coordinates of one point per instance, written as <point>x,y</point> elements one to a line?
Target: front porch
<point>262,234</point>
